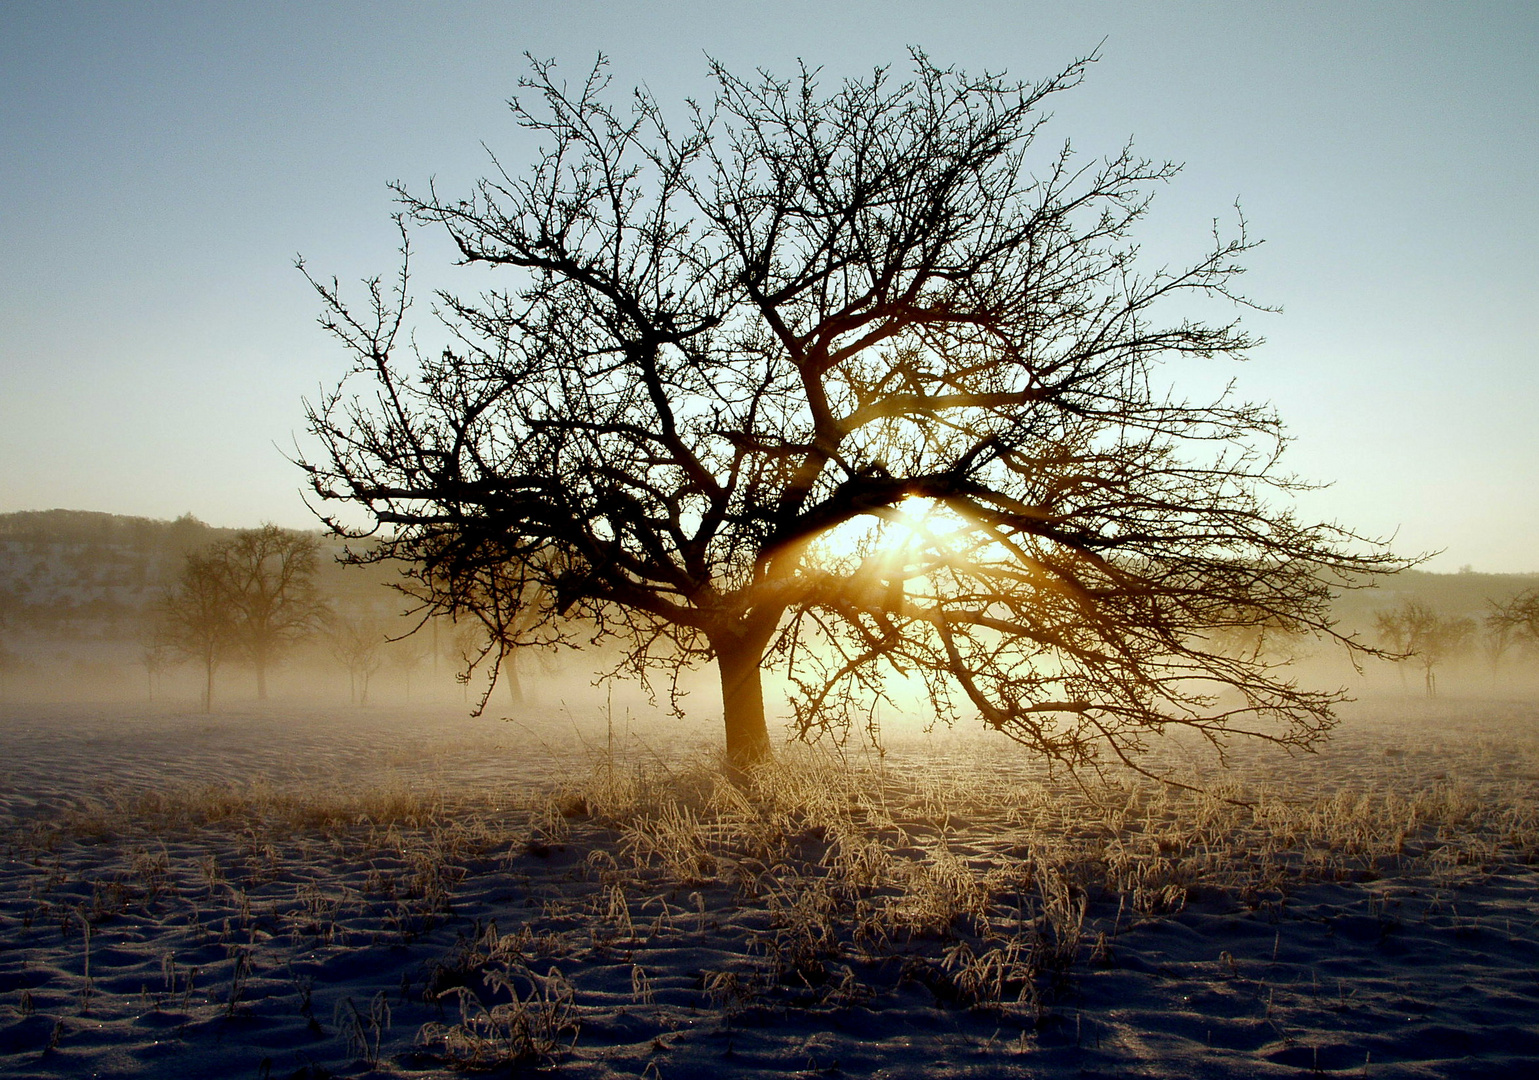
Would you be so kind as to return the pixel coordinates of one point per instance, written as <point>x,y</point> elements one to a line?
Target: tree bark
<point>742,699</point>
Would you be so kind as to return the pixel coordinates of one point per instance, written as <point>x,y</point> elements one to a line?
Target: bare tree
<point>518,623</point>
<point>854,381</point>
<point>9,663</point>
<point>406,656</point>
<point>268,576</point>
<point>359,643</point>
<point>196,620</point>
<point>1495,643</point>
<point>1414,631</point>
<point>1518,616</point>
<point>156,655</point>
<point>1515,621</point>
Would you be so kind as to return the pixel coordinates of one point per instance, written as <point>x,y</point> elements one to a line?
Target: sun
<point>913,527</point>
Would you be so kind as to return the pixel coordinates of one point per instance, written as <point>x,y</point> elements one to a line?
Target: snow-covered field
<point>282,892</point>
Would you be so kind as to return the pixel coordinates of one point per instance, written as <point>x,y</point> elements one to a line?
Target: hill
<point>81,574</point>
<point>1462,594</point>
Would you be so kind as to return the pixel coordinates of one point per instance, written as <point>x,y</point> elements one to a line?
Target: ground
<point>407,892</point>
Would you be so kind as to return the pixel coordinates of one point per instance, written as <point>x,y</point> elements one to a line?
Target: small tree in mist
<point>10,663</point>
<point>268,577</point>
<point>156,656</point>
<point>509,608</point>
<point>406,656</point>
<point>1495,643</point>
<point>248,596</point>
<point>1418,634</point>
<point>359,643</point>
<point>853,381</point>
<point>196,620</point>
<point>1268,640</point>
<point>1516,621</point>
<point>1518,616</point>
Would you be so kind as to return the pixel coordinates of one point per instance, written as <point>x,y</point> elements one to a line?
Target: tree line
<point>1417,633</point>
<point>253,596</point>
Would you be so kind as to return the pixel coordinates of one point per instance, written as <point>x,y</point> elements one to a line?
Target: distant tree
<point>508,669</point>
<point>268,578</point>
<point>406,656</point>
<point>1417,633</point>
<point>156,656</point>
<point>1495,643</point>
<point>509,607</point>
<point>1518,616</point>
<point>846,381</point>
<point>1269,640</point>
<point>1516,621</point>
<point>9,664</point>
<point>197,620</point>
<point>359,643</point>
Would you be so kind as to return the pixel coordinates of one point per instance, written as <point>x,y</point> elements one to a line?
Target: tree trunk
<point>208,686</point>
<point>261,674</point>
<point>742,699</point>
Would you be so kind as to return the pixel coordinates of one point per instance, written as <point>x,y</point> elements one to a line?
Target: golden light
<point>891,535</point>
<point>929,520</point>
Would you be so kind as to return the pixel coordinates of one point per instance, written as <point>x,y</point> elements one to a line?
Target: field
<point>291,892</point>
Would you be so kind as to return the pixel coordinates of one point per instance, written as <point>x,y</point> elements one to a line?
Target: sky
<point>163,165</point>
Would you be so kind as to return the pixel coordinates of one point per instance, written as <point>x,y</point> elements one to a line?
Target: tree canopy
<point>196,619</point>
<point>1416,631</point>
<point>252,595</point>
<point>859,380</point>
<point>269,578</point>
<point>1519,615</point>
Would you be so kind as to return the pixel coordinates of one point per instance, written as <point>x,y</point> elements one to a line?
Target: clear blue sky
<point>162,164</point>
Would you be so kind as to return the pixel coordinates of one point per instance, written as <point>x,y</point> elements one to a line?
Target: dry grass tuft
<point>535,1025</point>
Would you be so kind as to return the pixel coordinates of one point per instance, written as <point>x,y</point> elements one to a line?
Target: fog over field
<point>318,884</point>
<point>81,593</point>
